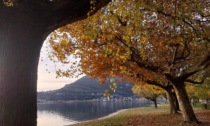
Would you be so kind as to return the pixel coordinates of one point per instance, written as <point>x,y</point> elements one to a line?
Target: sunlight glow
<point>47,73</point>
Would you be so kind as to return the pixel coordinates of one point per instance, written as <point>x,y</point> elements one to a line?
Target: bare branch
<point>173,58</point>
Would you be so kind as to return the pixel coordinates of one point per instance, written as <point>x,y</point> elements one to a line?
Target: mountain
<point>84,89</point>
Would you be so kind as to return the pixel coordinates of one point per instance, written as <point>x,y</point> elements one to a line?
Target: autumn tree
<point>199,91</point>
<point>165,38</point>
<point>62,48</point>
<point>169,94</point>
<point>24,26</point>
<point>149,92</point>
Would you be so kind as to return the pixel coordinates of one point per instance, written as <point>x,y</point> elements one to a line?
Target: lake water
<point>60,114</point>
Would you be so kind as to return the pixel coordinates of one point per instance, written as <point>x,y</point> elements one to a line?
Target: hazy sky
<point>46,80</point>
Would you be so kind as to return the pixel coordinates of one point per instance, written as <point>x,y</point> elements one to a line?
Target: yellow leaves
<point>202,91</point>
<point>9,3</point>
<point>106,92</point>
<point>108,51</point>
<point>123,57</point>
<point>92,35</point>
<point>121,68</point>
<point>144,38</point>
<point>113,87</point>
<point>92,7</point>
<point>111,80</point>
<point>148,89</point>
<point>64,44</point>
<point>84,37</point>
<point>61,73</point>
<point>112,73</point>
<point>154,89</point>
<point>94,19</point>
<point>61,57</point>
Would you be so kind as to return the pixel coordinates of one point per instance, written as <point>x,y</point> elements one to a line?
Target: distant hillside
<point>84,89</point>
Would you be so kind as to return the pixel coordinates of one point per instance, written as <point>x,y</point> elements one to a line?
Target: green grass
<point>201,106</point>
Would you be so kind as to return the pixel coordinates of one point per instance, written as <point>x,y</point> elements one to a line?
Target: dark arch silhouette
<point>23,29</point>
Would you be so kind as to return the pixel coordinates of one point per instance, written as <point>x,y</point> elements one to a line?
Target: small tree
<point>201,91</point>
<point>149,92</point>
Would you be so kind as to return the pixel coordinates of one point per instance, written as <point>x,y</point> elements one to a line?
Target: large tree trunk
<point>170,98</point>
<point>184,103</point>
<point>176,103</point>
<point>20,44</point>
<point>22,32</point>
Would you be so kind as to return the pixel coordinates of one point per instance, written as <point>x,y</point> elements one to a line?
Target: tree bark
<point>186,108</point>
<point>176,103</point>
<point>20,44</point>
<point>155,102</point>
<point>170,98</point>
<point>23,29</point>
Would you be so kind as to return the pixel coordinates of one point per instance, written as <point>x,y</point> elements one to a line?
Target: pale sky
<point>48,81</point>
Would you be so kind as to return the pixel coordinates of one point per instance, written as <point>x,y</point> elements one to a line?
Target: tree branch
<point>135,57</point>
<point>195,82</point>
<point>200,66</point>
<point>123,23</point>
<point>53,14</point>
<point>63,12</point>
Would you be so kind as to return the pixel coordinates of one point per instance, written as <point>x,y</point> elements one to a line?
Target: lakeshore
<point>75,112</point>
<point>147,116</point>
<point>108,116</point>
<point>105,117</point>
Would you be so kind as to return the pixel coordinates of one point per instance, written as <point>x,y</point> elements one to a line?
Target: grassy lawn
<point>148,116</point>
<point>200,105</point>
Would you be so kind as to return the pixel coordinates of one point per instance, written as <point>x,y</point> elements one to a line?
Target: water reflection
<point>46,118</point>
<point>58,114</point>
